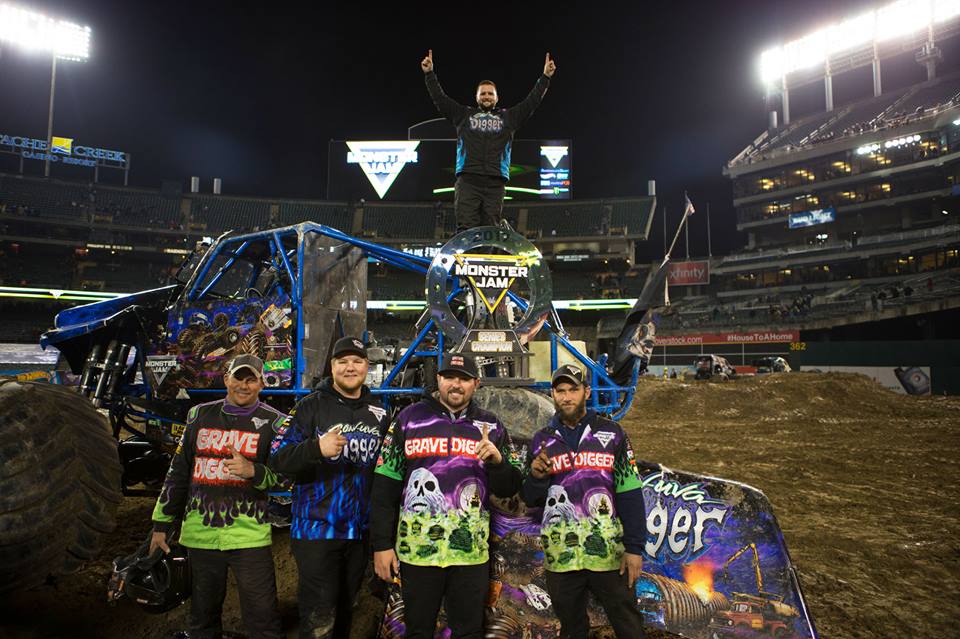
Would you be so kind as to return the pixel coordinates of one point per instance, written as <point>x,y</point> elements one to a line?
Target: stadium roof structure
<point>878,119</point>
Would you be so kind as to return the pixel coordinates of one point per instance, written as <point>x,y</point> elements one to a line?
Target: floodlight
<point>945,9</point>
<point>36,32</point>
<point>902,18</point>
<point>851,33</point>
<point>899,19</point>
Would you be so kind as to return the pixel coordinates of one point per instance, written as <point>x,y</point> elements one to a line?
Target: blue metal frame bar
<point>301,367</point>
<point>223,269</point>
<point>294,284</point>
<point>406,358</point>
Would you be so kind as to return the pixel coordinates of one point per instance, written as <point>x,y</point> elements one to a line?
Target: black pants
<point>568,593</point>
<point>476,205</point>
<point>256,583</point>
<point>331,571</point>
<point>461,589</point>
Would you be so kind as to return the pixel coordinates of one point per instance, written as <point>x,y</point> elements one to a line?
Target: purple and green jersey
<point>444,518</point>
<point>583,526</point>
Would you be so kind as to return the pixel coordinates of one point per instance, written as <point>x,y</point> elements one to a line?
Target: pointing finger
<point>486,433</point>
<point>547,59</point>
<point>430,54</point>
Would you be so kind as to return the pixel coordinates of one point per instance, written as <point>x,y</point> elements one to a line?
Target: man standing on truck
<point>582,471</point>
<point>484,139</point>
<point>441,460</point>
<point>329,448</point>
<point>216,492</point>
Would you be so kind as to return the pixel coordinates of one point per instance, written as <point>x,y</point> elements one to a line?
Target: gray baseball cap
<point>246,360</point>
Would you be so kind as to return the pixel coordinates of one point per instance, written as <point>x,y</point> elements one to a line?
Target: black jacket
<point>330,496</point>
<point>484,138</point>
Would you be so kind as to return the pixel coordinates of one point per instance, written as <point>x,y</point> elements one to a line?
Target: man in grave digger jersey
<point>440,461</point>
<point>216,492</point>
<point>582,471</point>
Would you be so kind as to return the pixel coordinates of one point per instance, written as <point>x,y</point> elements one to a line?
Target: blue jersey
<point>331,496</point>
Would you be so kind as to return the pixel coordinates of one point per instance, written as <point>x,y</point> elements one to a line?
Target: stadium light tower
<point>861,40</point>
<point>35,32</point>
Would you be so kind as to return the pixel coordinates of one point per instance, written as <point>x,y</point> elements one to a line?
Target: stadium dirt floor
<point>862,480</point>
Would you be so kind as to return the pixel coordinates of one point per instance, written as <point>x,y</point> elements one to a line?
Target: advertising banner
<point>757,337</point>
<point>688,273</point>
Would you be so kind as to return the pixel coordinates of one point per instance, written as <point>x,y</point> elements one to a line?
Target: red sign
<point>758,337</point>
<point>687,273</point>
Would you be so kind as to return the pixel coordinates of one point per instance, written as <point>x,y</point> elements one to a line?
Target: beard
<point>572,411</point>
<point>456,403</point>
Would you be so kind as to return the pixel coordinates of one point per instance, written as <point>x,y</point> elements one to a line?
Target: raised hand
<point>549,67</point>
<point>239,465</point>
<point>487,452</point>
<point>332,443</point>
<point>427,63</point>
<point>540,466</point>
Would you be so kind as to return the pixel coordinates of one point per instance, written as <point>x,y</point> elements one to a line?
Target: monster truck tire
<point>59,482</point>
<point>523,412</point>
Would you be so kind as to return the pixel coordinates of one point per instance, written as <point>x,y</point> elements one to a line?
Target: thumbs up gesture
<point>427,63</point>
<point>487,452</point>
<point>549,66</point>
<point>332,443</point>
<point>238,464</point>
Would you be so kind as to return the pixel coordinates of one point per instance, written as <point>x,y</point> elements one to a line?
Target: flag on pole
<point>688,206</point>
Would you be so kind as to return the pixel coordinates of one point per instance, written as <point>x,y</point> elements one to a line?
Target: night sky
<point>665,91</point>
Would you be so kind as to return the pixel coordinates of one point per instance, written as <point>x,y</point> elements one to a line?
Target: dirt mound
<point>841,396</point>
<point>861,480</point>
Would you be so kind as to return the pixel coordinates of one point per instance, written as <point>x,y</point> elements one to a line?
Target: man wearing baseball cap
<point>216,492</point>
<point>440,462</point>
<point>329,447</point>
<point>582,472</point>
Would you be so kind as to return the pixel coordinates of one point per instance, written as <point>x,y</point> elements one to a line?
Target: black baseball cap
<point>567,373</point>
<point>246,360</point>
<point>349,346</point>
<point>459,363</point>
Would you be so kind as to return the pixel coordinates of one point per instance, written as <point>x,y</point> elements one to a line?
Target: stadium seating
<point>889,110</point>
<point>413,221</point>
<point>928,97</point>
<point>45,198</point>
<point>632,215</point>
<point>224,213</point>
<point>138,207</point>
<point>569,219</point>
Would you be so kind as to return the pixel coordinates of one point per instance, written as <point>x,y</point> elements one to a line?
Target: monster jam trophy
<point>484,273</point>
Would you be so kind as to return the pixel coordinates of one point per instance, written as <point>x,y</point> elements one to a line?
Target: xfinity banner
<point>812,218</point>
<point>63,151</point>
<point>688,273</point>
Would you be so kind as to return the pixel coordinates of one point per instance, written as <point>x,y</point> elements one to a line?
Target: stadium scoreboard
<point>423,170</point>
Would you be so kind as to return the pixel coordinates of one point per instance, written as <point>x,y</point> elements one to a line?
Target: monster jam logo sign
<point>160,365</point>
<point>504,258</point>
<point>491,272</point>
<point>382,161</point>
